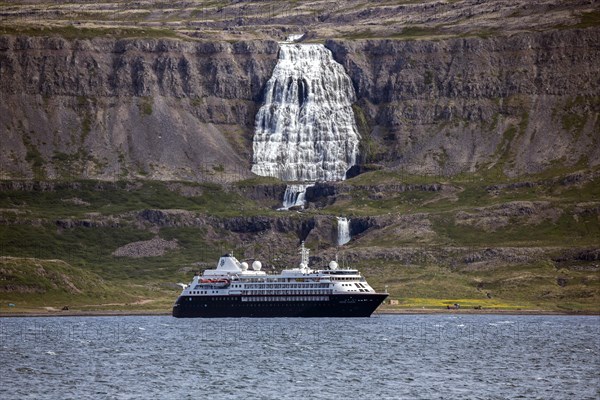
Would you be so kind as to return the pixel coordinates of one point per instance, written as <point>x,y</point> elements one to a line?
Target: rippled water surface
<point>391,357</point>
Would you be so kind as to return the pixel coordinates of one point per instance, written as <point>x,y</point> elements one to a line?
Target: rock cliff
<point>520,103</point>
<point>155,108</point>
<point>170,109</point>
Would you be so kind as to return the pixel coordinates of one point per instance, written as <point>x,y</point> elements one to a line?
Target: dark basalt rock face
<point>320,192</point>
<point>300,226</point>
<point>359,225</point>
<point>264,192</point>
<point>117,109</point>
<point>452,105</point>
<point>175,110</point>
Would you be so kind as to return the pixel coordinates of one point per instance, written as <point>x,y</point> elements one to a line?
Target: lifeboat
<point>215,283</point>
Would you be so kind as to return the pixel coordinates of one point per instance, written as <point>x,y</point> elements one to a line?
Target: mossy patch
<point>34,158</point>
<point>73,32</point>
<point>589,19</point>
<point>145,106</point>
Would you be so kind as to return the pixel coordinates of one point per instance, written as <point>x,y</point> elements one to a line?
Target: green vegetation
<point>406,33</point>
<point>90,244</point>
<point>362,20</point>
<point>259,180</point>
<point>428,78</point>
<point>573,123</point>
<point>589,19</point>
<point>566,231</point>
<point>417,31</point>
<point>86,125</point>
<point>34,282</point>
<point>32,285</point>
<point>371,150</point>
<point>34,158</point>
<point>529,286</point>
<point>146,106</point>
<point>109,198</point>
<point>575,113</point>
<point>507,138</point>
<point>467,191</point>
<point>83,222</point>
<point>73,32</point>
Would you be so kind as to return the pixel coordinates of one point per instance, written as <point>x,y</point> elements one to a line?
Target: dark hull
<point>337,305</point>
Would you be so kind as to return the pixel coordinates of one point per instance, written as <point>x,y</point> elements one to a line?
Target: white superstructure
<point>234,278</point>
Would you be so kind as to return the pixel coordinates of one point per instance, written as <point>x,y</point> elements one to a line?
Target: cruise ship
<point>234,290</point>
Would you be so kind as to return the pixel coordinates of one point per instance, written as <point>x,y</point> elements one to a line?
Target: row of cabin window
<point>282,286</point>
<point>360,286</point>
<point>288,280</point>
<point>285,298</point>
<point>314,291</point>
<point>309,291</point>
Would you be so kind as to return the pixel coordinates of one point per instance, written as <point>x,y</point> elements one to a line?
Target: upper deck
<point>232,277</point>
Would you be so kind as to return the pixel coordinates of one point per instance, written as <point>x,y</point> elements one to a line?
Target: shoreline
<point>408,311</point>
<point>467,311</point>
<point>78,313</point>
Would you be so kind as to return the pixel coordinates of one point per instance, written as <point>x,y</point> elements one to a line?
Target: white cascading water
<point>305,131</point>
<point>294,195</point>
<point>343,231</point>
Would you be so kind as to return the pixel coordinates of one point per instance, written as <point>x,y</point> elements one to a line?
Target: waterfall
<point>294,196</point>
<point>343,231</point>
<point>305,131</point>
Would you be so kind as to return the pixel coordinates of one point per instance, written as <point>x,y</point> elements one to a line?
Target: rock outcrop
<point>109,109</point>
<point>519,102</point>
<point>172,109</point>
<point>146,248</point>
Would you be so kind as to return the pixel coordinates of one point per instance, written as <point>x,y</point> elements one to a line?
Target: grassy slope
<point>89,249</point>
<point>526,285</point>
<point>31,283</point>
<point>418,283</point>
<point>354,19</point>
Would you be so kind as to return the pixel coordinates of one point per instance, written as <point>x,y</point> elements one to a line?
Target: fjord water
<point>388,357</point>
<point>305,129</point>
